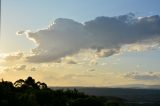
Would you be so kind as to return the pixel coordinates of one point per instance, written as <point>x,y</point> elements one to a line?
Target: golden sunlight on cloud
<point>64,74</point>
<point>82,69</point>
<point>104,35</point>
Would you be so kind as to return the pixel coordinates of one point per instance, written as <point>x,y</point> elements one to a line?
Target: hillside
<point>132,95</point>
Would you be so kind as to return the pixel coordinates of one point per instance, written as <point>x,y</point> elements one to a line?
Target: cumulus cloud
<point>143,76</point>
<point>20,32</point>
<point>91,69</point>
<point>107,52</point>
<point>71,62</point>
<point>4,69</point>
<point>151,44</point>
<point>107,35</point>
<point>33,69</point>
<point>21,67</point>
<point>14,56</point>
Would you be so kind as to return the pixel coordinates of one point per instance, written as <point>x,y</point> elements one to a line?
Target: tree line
<point>28,92</point>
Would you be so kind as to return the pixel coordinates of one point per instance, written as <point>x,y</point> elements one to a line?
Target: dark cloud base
<point>67,37</point>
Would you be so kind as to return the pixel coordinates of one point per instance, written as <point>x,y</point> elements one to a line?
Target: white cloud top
<point>107,35</point>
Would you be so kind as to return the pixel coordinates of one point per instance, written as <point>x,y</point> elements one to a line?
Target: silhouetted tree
<point>29,83</point>
<point>6,85</point>
<point>41,85</point>
<point>28,92</point>
<point>19,83</point>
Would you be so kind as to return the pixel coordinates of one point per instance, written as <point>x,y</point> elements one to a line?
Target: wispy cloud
<point>150,76</point>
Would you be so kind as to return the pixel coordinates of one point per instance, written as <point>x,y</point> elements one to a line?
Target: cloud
<point>4,69</point>
<point>71,62</point>
<point>13,56</point>
<point>107,52</point>
<point>68,60</point>
<point>91,69</point>
<point>20,32</point>
<point>151,44</point>
<point>143,76</point>
<point>21,67</point>
<point>33,69</point>
<point>107,35</point>
<point>76,76</point>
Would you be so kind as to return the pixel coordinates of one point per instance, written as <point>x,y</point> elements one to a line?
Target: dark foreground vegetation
<point>28,92</point>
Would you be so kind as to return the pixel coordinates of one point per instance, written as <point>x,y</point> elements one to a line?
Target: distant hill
<point>135,94</point>
<point>140,86</point>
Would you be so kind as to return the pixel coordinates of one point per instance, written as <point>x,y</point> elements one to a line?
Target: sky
<point>81,43</point>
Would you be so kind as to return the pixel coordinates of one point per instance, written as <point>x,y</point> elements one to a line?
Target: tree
<point>19,83</point>
<point>6,85</point>
<point>28,92</point>
<point>31,83</point>
<point>41,85</point>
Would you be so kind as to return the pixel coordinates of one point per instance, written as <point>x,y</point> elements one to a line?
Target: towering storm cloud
<point>107,35</point>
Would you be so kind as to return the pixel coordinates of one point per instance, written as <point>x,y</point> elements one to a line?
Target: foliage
<point>28,92</point>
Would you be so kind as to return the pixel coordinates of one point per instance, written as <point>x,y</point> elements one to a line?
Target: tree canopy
<point>28,92</point>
